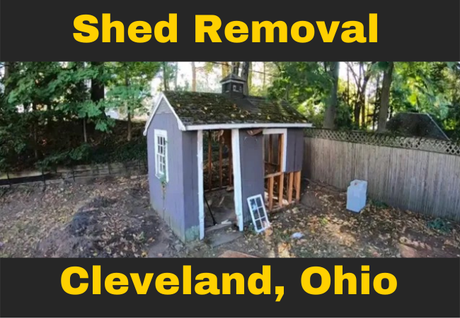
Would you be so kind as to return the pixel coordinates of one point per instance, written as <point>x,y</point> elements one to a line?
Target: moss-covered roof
<point>195,108</point>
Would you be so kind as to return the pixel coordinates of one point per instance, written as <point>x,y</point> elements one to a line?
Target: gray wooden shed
<point>200,142</point>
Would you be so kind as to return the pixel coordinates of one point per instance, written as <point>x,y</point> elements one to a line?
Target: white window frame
<point>261,216</point>
<point>160,174</point>
<point>279,132</point>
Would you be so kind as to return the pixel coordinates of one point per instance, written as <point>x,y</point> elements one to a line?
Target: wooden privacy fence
<point>421,175</point>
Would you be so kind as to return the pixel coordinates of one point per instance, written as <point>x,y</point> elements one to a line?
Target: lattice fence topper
<point>433,145</point>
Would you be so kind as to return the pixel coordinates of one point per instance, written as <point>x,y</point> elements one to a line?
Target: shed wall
<point>252,169</point>
<point>295,149</point>
<point>190,185</point>
<point>170,204</point>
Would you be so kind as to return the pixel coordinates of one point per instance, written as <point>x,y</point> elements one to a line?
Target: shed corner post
<point>200,182</point>
<point>237,177</point>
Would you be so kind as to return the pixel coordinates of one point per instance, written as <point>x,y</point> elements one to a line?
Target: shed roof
<point>234,78</point>
<point>194,109</point>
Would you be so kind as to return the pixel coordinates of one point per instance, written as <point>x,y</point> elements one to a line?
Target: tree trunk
<point>362,99</point>
<point>236,68</point>
<point>245,76</point>
<point>348,87</point>
<point>331,110</point>
<point>128,109</point>
<point>376,102</point>
<point>176,71</point>
<point>9,69</point>
<point>193,77</point>
<point>165,78</point>
<point>385,97</point>
<point>225,69</point>
<point>6,73</point>
<point>34,132</point>
<point>97,86</point>
<point>85,136</point>
<point>263,78</point>
<point>129,127</point>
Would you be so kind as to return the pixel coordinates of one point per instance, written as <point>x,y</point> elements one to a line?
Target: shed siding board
<point>163,108</point>
<point>290,150</point>
<point>295,150</point>
<point>190,184</point>
<point>171,207</point>
<point>252,169</point>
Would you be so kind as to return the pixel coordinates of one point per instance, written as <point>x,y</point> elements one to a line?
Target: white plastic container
<point>356,195</point>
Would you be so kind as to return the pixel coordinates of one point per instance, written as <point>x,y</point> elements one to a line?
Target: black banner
<point>51,30</point>
<point>261,287</point>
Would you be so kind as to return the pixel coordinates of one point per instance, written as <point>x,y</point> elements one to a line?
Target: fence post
<point>8,178</point>
<point>44,180</point>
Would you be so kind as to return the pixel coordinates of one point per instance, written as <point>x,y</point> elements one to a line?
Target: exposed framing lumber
<point>281,190</point>
<point>290,186</point>
<point>209,159</point>
<point>254,132</point>
<point>297,185</point>
<point>271,181</point>
<point>216,189</point>
<point>220,165</point>
<point>230,163</point>
<point>272,175</point>
<point>283,132</point>
<point>281,178</point>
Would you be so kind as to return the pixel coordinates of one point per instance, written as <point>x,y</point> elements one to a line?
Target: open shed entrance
<point>219,204</point>
<point>281,188</point>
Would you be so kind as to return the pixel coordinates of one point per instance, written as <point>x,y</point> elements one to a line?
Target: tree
<point>385,96</point>
<point>130,85</point>
<point>236,68</point>
<point>245,75</point>
<point>193,77</point>
<point>331,109</point>
<point>365,71</point>
<point>98,82</point>
<point>306,85</point>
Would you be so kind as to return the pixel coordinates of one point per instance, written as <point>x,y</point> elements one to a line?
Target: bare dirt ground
<point>112,218</point>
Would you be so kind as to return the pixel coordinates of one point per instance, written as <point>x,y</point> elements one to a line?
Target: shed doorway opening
<point>274,163</point>
<point>219,203</point>
<point>281,188</point>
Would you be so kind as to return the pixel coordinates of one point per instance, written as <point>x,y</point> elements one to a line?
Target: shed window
<point>161,154</point>
<point>258,213</point>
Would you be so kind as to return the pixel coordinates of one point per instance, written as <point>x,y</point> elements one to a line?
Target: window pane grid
<point>161,153</point>
<point>258,213</point>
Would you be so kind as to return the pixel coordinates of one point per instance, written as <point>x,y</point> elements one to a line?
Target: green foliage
<point>306,85</point>
<point>379,204</point>
<point>49,114</point>
<point>428,87</point>
<point>72,156</point>
<point>130,85</point>
<point>44,101</point>
<point>440,225</point>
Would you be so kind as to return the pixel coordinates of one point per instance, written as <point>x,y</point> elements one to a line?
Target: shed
<point>204,142</point>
